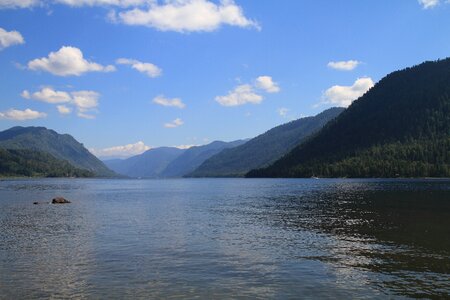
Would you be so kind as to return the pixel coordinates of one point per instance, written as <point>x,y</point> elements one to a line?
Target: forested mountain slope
<point>60,146</point>
<point>30,163</point>
<point>193,157</point>
<point>401,127</point>
<point>265,148</point>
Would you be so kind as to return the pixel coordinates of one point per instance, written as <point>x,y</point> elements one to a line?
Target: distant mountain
<point>149,164</point>
<point>32,163</point>
<point>60,146</point>
<point>265,148</point>
<point>400,128</point>
<point>195,156</point>
<point>167,162</point>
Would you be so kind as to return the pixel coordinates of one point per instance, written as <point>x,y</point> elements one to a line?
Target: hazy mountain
<point>149,164</point>
<point>195,156</point>
<point>265,148</point>
<point>167,162</point>
<point>60,146</point>
<point>401,127</point>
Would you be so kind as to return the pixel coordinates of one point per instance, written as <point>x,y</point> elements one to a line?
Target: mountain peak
<point>60,146</point>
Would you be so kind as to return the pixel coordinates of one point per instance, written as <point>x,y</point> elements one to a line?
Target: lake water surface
<point>225,238</point>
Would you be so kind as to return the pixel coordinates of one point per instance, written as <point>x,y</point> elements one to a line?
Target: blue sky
<point>186,72</point>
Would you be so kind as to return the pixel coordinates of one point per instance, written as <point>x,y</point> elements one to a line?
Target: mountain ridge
<point>407,109</point>
<point>60,146</point>
<point>149,164</point>
<point>167,162</point>
<point>193,157</point>
<point>264,148</point>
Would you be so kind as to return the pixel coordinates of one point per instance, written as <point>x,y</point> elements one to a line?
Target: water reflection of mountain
<point>399,229</point>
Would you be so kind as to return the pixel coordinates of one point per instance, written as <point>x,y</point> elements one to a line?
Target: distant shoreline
<point>2,178</point>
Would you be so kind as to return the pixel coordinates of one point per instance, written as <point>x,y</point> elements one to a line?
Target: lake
<point>225,238</point>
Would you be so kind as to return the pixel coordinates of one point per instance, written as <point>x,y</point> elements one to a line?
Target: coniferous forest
<point>399,128</point>
<point>29,163</point>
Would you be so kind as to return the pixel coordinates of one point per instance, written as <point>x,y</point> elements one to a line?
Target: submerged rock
<point>60,200</point>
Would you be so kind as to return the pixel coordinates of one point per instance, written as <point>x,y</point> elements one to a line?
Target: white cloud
<point>245,93</point>
<point>175,102</point>
<point>188,16</point>
<point>18,3</point>
<point>121,3</point>
<point>63,109</point>
<point>266,83</point>
<point>122,151</point>
<point>74,3</point>
<point>22,115</point>
<point>428,3</point>
<point>67,61</point>
<point>175,123</point>
<point>183,147</point>
<point>48,95</point>
<point>282,111</point>
<point>167,15</point>
<point>10,38</point>
<point>85,116</point>
<point>85,102</point>
<point>241,95</point>
<point>149,69</point>
<point>344,65</point>
<point>25,94</point>
<point>344,95</point>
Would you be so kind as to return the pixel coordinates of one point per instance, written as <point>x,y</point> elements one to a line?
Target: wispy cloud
<point>21,115</point>
<point>10,38</point>
<point>120,3</point>
<point>175,123</point>
<point>18,3</point>
<point>426,4</point>
<point>149,69</point>
<point>283,111</point>
<point>344,65</point>
<point>64,110</point>
<point>174,102</point>
<point>14,4</point>
<point>67,61</point>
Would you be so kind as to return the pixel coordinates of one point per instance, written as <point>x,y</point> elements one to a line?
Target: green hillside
<point>265,148</point>
<point>60,146</point>
<point>36,164</point>
<point>401,127</point>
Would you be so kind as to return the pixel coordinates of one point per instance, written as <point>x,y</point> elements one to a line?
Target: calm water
<point>225,238</point>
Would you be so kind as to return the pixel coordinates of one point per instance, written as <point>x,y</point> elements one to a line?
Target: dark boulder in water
<point>60,200</point>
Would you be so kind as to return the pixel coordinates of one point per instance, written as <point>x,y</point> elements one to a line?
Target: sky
<point>124,76</point>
